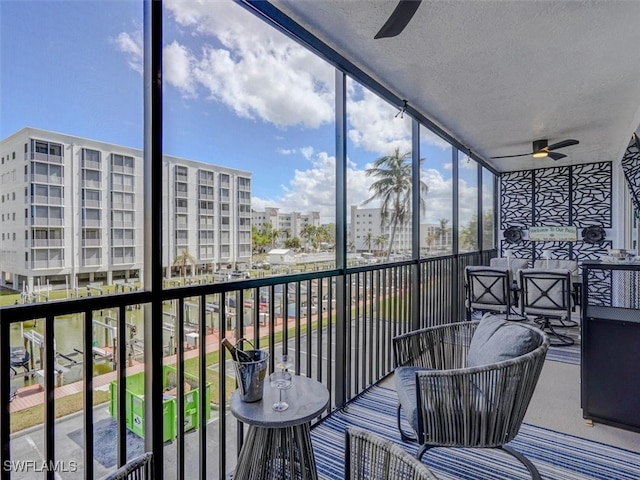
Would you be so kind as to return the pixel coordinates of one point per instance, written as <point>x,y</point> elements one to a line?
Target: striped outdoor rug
<point>556,455</point>
<point>570,354</point>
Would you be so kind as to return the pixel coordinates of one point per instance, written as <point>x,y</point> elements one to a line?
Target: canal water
<point>68,338</point>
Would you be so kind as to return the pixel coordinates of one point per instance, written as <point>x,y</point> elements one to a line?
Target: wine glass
<point>282,381</point>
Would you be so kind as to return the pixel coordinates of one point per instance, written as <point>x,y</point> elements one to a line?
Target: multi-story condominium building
<point>288,224</point>
<point>208,214</point>
<point>436,237</point>
<point>71,211</point>
<point>367,223</point>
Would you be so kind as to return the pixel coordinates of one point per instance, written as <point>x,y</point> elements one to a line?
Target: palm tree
<point>379,242</point>
<point>325,233</point>
<point>183,259</point>
<point>293,243</point>
<point>442,230</point>
<point>309,233</point>
<point>430,239</point>
<point>275,233</point>
<point>368,240</point>
<point>393,175</point>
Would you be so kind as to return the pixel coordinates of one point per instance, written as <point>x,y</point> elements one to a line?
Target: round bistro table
<point>278,444</point>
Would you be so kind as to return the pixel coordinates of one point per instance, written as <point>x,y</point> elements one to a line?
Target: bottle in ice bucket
<point>237,354</point>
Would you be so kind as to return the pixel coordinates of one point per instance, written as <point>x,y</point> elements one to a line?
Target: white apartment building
<point>292,222</point>
<point>369,220</point>
<point>435,237</point>
<point>71,211</point>
<point>365,221</point>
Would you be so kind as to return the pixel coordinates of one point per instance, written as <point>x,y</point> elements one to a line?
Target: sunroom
<point>500,118</point>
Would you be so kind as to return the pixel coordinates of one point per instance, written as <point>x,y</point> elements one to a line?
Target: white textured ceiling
<point>497,75</point>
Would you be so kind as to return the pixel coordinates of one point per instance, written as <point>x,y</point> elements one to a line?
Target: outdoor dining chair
<point>513,264</point>
<point>546,296</point>
<point>488,289</point>
<point>564,264</point>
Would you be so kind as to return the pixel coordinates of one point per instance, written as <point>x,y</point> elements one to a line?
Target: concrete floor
<point>556,405</point>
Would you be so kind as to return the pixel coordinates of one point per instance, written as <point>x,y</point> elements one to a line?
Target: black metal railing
<point>300,315</point>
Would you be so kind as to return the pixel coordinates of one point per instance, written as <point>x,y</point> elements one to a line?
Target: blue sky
<point>237,93</point>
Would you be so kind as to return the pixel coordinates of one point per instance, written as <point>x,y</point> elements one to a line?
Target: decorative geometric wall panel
<point>518,250</point>
<point>631,168</point>
<point>557,250</point>
<point>600,287</point>
<point>551,204</point>
<point>577,196</point>
<point>591,195</point>
<point>517,193</point>
<point>587,251</point>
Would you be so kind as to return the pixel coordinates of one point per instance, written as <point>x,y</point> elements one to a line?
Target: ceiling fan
<point>399,19</point>
<point>541,149</point>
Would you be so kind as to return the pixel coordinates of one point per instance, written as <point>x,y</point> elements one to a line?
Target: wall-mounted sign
<point>553,234</point>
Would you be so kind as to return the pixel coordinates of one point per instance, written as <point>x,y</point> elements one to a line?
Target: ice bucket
<point>250,375</point>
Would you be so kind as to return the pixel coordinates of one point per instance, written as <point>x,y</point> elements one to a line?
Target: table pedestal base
<point>277,453</point>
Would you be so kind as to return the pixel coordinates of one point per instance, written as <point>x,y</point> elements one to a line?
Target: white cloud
<point>439,199</point>
<point>373,124</point>
<point>131,45</point>
<point>260,74</point>
<point>427,136</point>
<point>287,151</point>
<point>253,69</point>
<point>468,202</point>
<point>307,152</point>
<point>228,55</point>
<point>178,68</point>
<point>313,189</point>
<point>466,163</point>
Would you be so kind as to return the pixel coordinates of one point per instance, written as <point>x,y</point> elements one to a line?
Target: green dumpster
<point>134,400</point>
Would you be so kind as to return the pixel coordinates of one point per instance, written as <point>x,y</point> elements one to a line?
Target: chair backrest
<point>546,292</point>
<point>555,264</point>
<point>483,406</point>
<point>514,264</point>
<point>371,457</point>
<point>138,468</point>
<point>488,288</point>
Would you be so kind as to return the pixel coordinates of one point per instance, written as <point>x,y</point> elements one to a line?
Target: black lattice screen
<point>551,187</point>
<point>591,195</point>
<point>631,168</point>
<point>578,195</point>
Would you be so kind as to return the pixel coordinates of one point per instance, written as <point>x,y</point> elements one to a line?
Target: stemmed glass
<point>282,381</point>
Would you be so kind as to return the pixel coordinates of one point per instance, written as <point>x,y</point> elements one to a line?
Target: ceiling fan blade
<point>556,156</point>
<point>399,19</point>
<point>512,156</point>
<point>562,144</point>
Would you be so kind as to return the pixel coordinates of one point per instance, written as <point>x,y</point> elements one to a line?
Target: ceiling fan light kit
<point>542,149</point>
